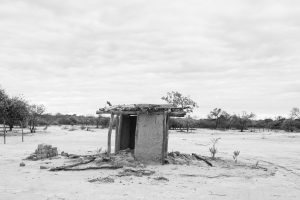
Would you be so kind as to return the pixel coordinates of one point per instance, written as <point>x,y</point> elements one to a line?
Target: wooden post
<point>109,134</point>
<point>167,134</point>
<point>118,134</point>
<point>163,152</point>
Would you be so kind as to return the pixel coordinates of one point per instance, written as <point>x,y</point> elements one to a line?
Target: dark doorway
<point>127,137</point>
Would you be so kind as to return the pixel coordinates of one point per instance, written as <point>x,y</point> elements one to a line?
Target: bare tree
<point>178,100</point>
<point>295,113</point>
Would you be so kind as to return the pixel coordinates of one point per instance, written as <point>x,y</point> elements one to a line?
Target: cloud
<point>73,55</point>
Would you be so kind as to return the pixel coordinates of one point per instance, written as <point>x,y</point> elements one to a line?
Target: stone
<point>22,164</point>
<point>43,151</point>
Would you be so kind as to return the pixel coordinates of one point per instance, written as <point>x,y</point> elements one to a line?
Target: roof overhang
<point>135,109</point>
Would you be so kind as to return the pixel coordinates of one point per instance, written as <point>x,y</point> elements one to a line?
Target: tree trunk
<point>32,127</point>
<point>11,127</point>
<point>216,123</point>
<point>22,131</point>
<point>4,132</point>
<point>187,126</point>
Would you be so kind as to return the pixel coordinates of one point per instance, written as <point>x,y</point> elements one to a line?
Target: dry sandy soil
<point>279,153</point>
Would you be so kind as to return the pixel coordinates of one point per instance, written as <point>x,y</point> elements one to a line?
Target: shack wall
<point>149,137</point>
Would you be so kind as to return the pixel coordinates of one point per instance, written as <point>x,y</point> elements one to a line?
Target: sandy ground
<point>278,152</point>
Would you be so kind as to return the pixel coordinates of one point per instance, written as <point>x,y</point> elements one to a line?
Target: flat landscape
<point>268,167</point>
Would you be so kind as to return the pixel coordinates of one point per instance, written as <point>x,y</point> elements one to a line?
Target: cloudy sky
<point>72,56</point>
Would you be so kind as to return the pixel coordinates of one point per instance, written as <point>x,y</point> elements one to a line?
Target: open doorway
<point>127,136</point>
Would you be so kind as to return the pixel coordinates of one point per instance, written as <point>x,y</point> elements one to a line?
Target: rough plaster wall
<point>149,139</point>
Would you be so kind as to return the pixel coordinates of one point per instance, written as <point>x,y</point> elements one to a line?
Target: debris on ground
<point>178,158</point>
<point>22,164</point>
<point>43,167</point>
<point>99,161</point>
<point>135,172</point>
<point>64,154</point>
<point>66,167</point>
<point>161,178</point>
<point>102,180</point>
<point>125,158</point>
<point>43,151</point>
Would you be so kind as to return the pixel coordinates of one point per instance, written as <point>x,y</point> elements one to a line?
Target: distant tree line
<point>220,119</point>
<point>16,111</point>
<point>65,119</point>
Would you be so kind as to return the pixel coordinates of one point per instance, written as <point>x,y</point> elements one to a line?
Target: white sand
<point>279,152</point>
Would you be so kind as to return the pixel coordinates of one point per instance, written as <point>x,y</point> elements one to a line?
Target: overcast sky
<point>72,56</point>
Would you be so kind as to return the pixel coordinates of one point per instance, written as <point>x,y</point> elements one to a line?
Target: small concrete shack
<point>143,128</point>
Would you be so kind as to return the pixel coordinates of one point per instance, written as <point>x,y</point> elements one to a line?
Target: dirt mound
<point>102,180</point>
<point>135,172</point>
<point>178,158</point>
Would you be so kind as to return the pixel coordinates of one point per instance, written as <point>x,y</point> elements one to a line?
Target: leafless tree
<point>295,113</point>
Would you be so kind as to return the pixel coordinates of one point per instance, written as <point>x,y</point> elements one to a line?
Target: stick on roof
<point>143,108</point>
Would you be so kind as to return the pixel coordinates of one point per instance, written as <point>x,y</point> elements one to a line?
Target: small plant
<point>99,150</point>
<point>235,155</point>
<point>213,150</point>
<point>256,165</point>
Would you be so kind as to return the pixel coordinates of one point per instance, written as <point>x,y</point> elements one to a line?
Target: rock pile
<point>43,151</point>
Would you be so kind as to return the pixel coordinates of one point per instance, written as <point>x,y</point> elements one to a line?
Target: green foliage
<point>3,105</point>
<point>243,120</point>
<point>178,100</point>
<point>17,111</point>
<point>289,125</point>
<point>35,112</point>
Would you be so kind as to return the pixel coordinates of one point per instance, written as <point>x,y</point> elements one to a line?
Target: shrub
<point>235,155</point>
<point>213,150</point>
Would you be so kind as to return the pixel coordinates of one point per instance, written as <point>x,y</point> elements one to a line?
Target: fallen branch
<point>93,168</point>
<point>60,168</point>
<point>203,159</point>
<point>205,176</point>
